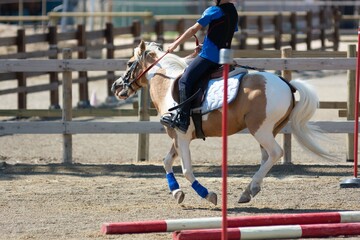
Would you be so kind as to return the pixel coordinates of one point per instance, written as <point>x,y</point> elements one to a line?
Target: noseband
<point>127,76</point>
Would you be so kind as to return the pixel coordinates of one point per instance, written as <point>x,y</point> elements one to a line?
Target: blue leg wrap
<point>200,189</point>
<point>173,184</point>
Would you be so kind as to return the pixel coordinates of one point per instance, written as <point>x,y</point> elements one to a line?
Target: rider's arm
<point>191,31</point>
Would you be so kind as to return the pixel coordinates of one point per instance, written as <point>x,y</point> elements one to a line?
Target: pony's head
<point>134,77</point>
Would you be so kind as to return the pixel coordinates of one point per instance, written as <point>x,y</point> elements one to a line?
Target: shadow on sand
<point>8,171</point>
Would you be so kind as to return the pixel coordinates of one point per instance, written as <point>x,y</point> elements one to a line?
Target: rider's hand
<point>198,48</point>
<point>172,47</point>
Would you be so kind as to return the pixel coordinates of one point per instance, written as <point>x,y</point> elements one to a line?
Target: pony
<point>264,103</point>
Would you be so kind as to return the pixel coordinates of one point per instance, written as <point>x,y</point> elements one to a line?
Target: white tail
<point>305,133</point>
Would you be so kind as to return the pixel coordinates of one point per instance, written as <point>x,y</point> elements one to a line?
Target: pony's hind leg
<point>246,195</point>
<point>270,149</point>
<point>172,182</point>
<point>264,155</point>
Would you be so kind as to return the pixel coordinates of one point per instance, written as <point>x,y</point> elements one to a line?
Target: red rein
<point>158,60</point>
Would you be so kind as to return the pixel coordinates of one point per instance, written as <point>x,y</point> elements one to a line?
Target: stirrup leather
<point>187,101</point>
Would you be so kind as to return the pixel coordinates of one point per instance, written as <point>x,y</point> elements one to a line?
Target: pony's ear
<point>142,46</point>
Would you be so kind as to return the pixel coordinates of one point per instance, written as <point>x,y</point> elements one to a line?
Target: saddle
<point>197,100</point>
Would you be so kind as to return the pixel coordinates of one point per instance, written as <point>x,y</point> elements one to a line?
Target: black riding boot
<point>181,120</point>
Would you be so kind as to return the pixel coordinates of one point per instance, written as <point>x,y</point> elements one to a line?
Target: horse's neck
<point>174,65</point>
<point>162,77</point>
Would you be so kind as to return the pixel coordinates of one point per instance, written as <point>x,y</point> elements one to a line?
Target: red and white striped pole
<point>355,181</point>
<point>274,232</point>
<point>170,225</point>
<point>225,59</point>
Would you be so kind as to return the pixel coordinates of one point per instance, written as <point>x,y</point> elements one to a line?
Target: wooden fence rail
<point>98,127</point>
<point>290,29</point>
<point>267,59</point>
<point>269,29</point>
<point>19,65</point>
<point>54,40</point>
<point>67,127</point>
<point>252,25</point>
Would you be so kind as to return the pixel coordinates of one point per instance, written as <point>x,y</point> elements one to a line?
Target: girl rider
<point>222,20</point>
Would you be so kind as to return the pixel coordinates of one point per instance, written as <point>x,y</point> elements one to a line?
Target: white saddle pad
<point>215,91</point>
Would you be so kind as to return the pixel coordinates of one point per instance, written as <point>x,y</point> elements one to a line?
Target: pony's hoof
<point>212,197</point>
<point>245,198</point>
<point>179,196</point>
<point>255,190</point>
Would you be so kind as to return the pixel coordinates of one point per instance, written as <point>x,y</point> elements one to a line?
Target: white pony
<point>263,104</point>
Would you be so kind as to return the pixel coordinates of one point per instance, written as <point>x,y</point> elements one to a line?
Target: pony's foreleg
<point>270,149</point>
<point>184,151</point>
<point>172,182</point>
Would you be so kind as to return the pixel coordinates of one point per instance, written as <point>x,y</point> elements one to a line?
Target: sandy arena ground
<point>42,199</point>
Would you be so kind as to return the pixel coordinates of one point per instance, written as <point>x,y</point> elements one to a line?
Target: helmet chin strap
<point>218,2</point>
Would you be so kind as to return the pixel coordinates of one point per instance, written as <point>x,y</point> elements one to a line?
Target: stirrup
<point>173,121</point>
<point>169,119</point>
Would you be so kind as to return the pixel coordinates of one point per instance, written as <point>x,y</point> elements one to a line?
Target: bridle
<point>134,65</point>
<point>132,68</point>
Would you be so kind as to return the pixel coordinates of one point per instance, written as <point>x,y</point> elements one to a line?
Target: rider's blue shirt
<point>209,50</point>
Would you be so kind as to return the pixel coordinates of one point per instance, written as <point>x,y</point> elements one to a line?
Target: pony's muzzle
<point>116,85</point>
<point>119,89</point>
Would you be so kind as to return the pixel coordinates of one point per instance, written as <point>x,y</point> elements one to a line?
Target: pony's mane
<point>172,60</point>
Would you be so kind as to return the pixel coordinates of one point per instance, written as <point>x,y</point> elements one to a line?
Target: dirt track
<point>56,202</point>
<point>42,199</point>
